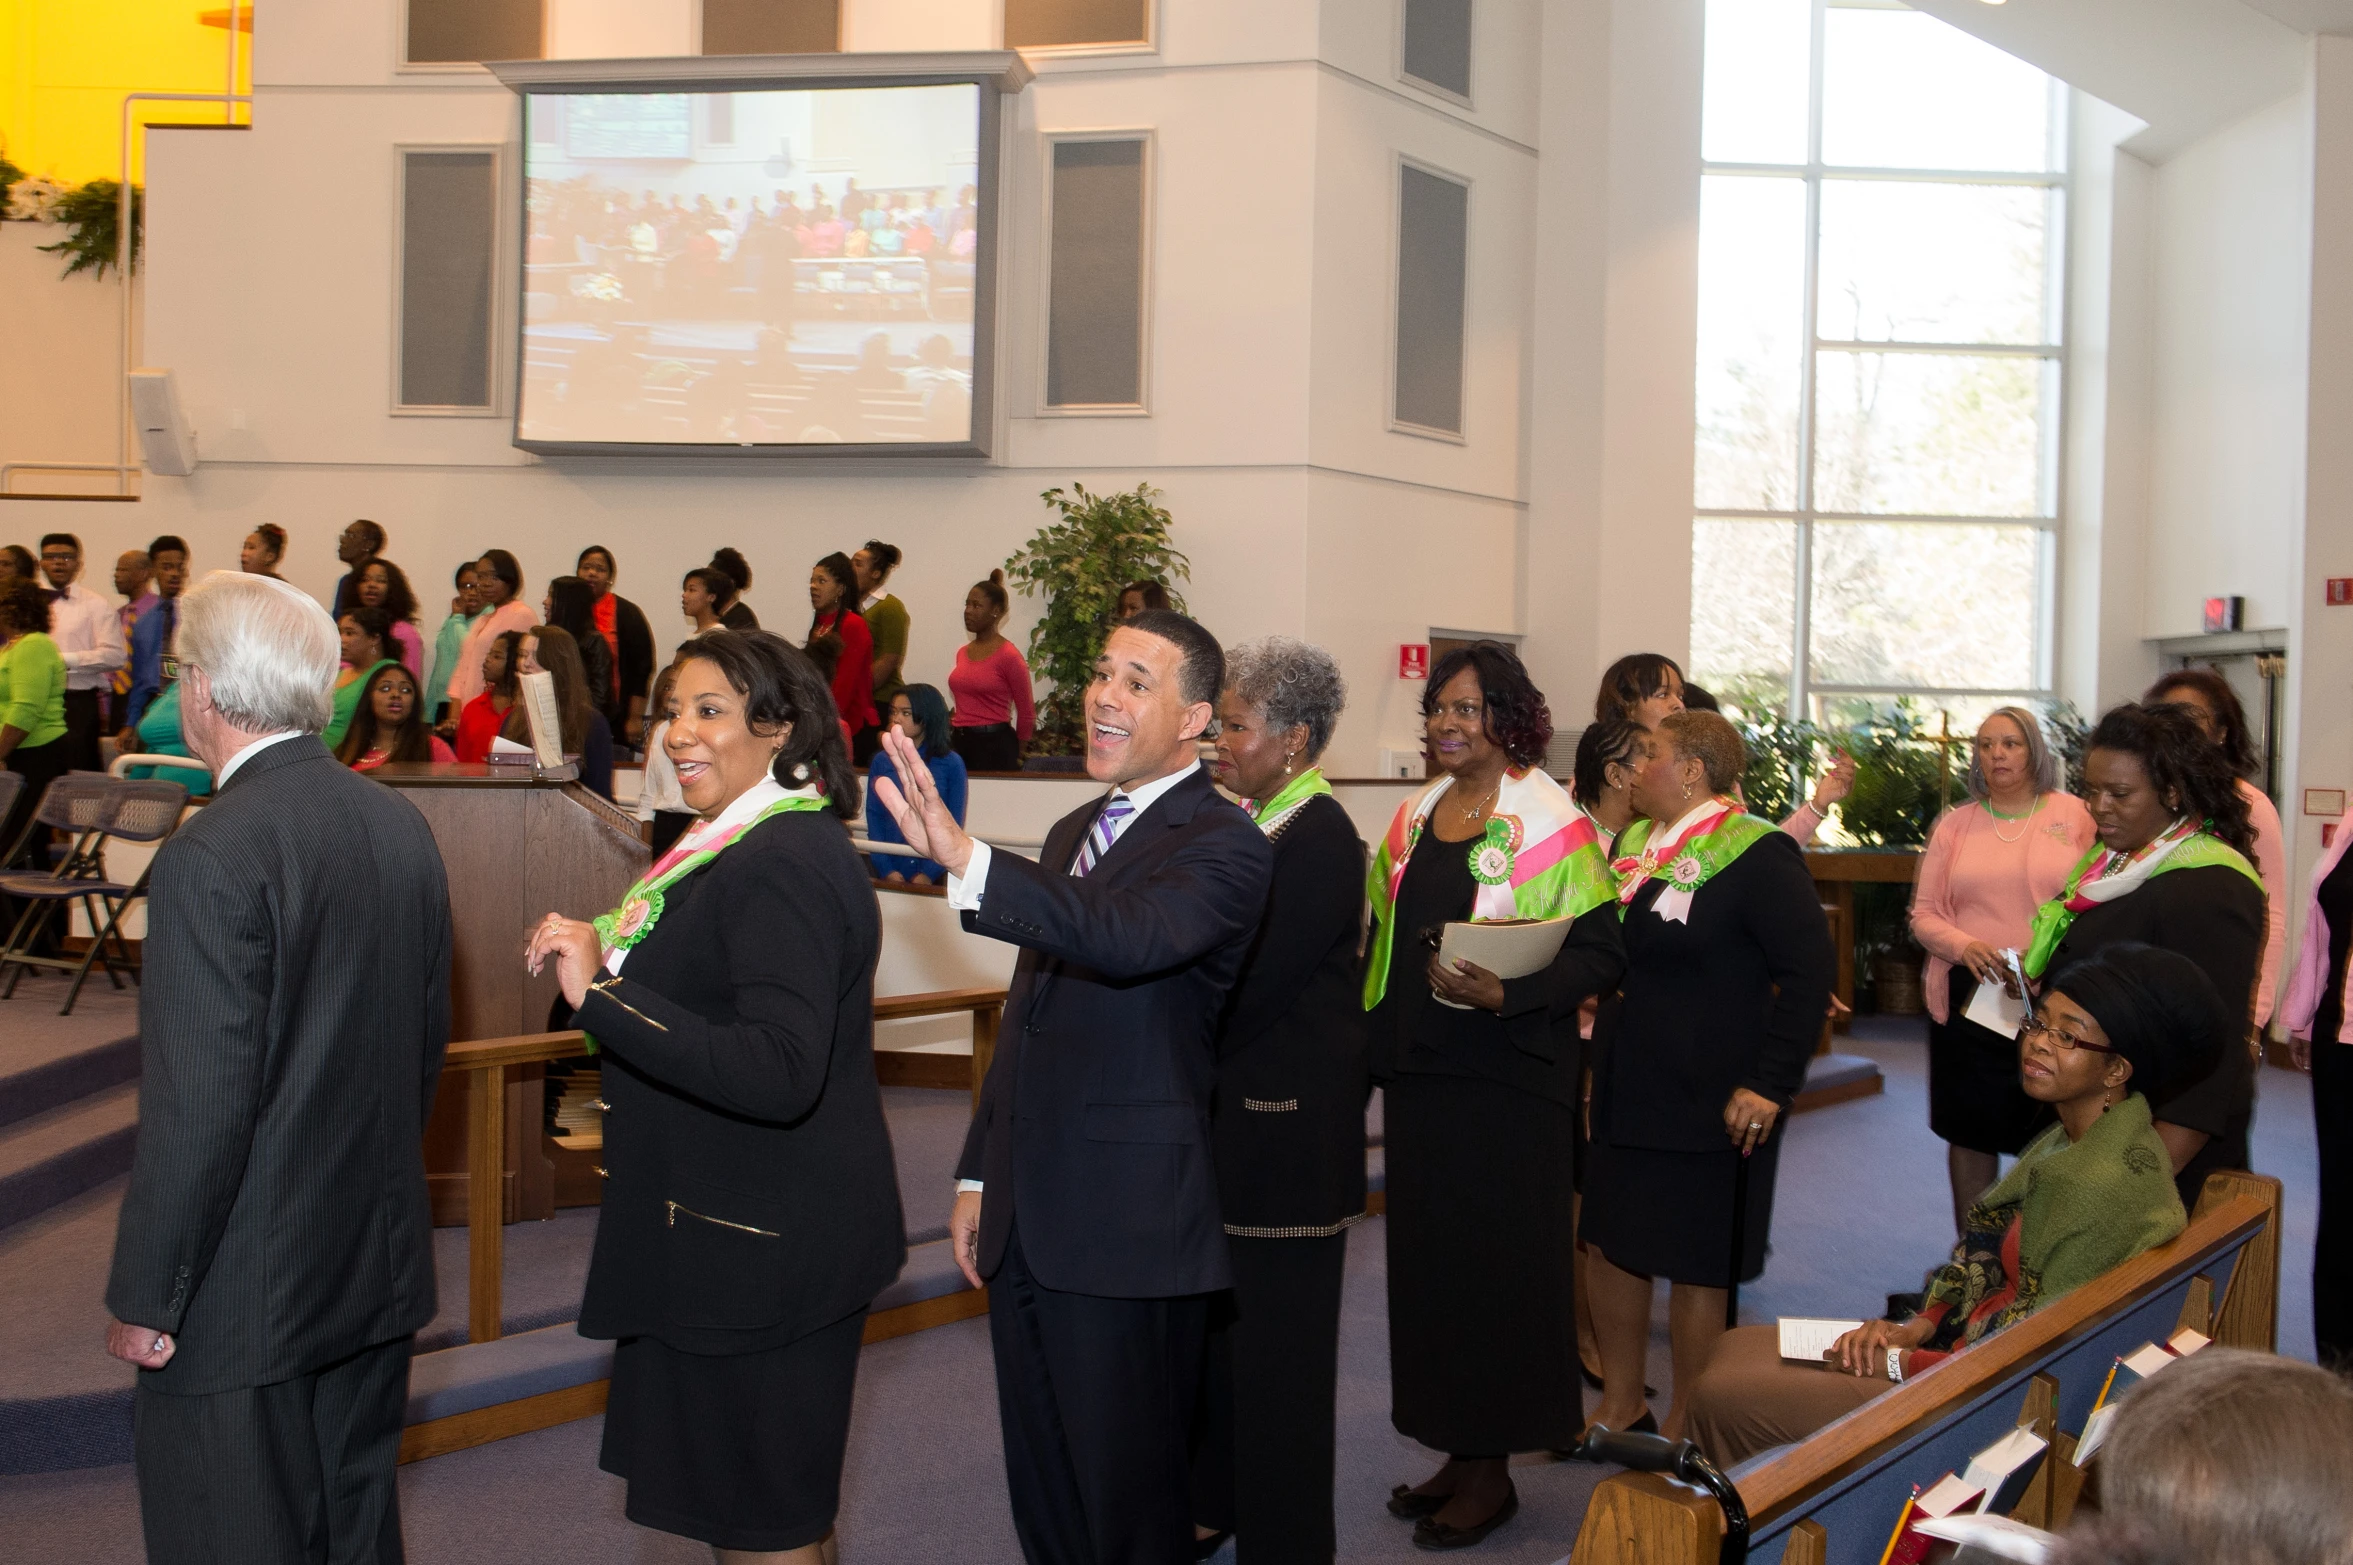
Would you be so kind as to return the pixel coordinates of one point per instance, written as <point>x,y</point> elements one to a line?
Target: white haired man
<point>274,1257</point>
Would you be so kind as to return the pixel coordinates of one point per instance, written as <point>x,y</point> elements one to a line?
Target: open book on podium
<point>537,696</point>
<point>1506,947</point>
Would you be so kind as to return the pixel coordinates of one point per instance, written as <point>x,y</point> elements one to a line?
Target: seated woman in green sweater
<point>32,702</point>
<point>2089,1193</point>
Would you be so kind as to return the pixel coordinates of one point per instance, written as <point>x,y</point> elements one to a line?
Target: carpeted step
<point>930,1273</point>
<point>484,1374</point>
<point>51,1077</point>
<point>57,1154</point>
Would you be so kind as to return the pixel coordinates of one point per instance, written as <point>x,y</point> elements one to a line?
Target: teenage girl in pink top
<point>995,714</point>
<point>1990,863</point>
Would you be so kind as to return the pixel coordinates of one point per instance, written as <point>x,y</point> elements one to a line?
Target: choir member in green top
<point>2112,1032</point>
<point>32,699</point>
<point>464,609</point>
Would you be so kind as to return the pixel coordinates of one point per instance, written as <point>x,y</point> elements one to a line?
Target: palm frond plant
<point>92,212</point>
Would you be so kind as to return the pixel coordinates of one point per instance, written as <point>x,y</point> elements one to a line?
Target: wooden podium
<point>516,848</point>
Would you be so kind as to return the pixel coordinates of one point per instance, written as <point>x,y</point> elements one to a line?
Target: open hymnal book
<point>2128,1372</point>
<point>1506,947</point>
<point>2004,1469</point>
<point>505,752</point>
<point>1808,1339</point>
<point>547,724</point>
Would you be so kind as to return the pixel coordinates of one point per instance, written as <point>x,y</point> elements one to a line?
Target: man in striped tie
<point>1085,1197</point>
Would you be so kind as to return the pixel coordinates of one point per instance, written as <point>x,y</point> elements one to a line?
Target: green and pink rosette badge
<point>629,923</point>
<point>1492,855</point>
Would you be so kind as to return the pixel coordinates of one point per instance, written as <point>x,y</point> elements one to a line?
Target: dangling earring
<point>1687,790</point>
<point>1288,757</point>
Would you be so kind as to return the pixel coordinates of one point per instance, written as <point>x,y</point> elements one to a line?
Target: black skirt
<point>741,1451</point>
<point>1974,1100</point>
<point>1482,1283</point>
<point>1669,1214</point>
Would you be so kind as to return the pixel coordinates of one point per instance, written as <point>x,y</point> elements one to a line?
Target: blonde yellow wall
<point>65,65</point>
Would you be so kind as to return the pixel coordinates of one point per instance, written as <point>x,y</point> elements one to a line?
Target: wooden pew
<point>1833,1499</point>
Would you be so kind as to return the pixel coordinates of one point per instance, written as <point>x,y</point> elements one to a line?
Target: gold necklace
<point>2025,820</point>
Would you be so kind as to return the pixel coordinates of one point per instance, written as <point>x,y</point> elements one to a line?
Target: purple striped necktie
<point>1106,828</point>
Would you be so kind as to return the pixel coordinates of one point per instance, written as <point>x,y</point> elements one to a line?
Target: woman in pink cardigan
<point>2215,705</point>
<point>1990,863</point>
<point>2316,1014</point>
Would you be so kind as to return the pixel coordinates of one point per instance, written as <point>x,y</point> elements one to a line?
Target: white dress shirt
<point>964,891</point>
<point>247,754</point>
<point>88,631</point>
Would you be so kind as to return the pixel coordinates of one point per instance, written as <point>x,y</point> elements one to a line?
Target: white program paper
<point>1508,948</point>
<point>1808,1339</point>
<point>1998,1536</point>
<point>1997,1010</point>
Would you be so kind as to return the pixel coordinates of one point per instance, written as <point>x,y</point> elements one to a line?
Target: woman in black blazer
<point>752,1210</point>
<point>1287,1121</point>
<point>2173,868</point>
<point>1728,973</point>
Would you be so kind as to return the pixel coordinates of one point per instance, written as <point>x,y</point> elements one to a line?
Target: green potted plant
<point>1078,564</point>
<point>93,212</point>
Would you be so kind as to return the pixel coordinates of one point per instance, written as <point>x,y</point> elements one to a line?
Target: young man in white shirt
<point>89,635</point>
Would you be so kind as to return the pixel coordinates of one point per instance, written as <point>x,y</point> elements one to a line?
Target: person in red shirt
<point>833,602</point>
<point>479,720</point>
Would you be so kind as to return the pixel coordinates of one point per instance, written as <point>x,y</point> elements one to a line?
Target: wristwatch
<point>1895,1366</point>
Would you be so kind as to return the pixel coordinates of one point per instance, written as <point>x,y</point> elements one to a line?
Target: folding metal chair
<point>97,809</point>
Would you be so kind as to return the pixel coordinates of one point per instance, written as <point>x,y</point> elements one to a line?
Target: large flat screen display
<point>773,270</point>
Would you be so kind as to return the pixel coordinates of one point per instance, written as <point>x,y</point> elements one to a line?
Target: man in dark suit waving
<point>1085,1195</point>
<point>275,1252</point>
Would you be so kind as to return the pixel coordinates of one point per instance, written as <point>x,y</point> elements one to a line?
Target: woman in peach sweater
<point>1990,863</point>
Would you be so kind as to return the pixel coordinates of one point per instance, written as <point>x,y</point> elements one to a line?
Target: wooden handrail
<point>486,1062</point>
<point>1815,1463</point>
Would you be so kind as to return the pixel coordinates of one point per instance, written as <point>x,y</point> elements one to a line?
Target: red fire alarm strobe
<point>2340,591</point>
<point>1413,660</point>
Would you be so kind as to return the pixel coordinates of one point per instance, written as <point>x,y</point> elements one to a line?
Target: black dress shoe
<point>1431,1533</point>
<point>1408,1506</point>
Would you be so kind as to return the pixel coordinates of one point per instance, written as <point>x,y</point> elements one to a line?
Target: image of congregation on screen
<point>769,268</point>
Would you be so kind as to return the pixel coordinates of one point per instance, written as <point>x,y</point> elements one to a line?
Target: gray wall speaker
<point>165,439</point>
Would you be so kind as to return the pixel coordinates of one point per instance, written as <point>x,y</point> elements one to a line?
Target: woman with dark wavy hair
<point>1481,1076</point>
<point>751,1210</point>
<point>2209,698</point>
<point>2173,867</point>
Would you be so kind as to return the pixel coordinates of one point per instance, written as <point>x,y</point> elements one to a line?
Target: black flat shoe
<point>1408,1506</point>
<point>1431,1533</point>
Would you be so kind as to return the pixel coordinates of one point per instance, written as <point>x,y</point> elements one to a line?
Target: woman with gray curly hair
<point>1287,1125</point>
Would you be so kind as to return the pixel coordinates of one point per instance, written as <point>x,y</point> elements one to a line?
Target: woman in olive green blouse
<point>32,700</point>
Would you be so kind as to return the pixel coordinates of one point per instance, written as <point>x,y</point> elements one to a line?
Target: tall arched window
<point>1876,473</point>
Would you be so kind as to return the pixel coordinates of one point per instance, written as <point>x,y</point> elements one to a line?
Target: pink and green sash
<point>2103,876</point>
<point>1693,857</point>
<point>1540,857</point>
<point>641,906</point>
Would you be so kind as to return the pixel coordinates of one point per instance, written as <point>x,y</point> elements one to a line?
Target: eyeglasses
<point>2063,1040</point>
<point>172,666</point>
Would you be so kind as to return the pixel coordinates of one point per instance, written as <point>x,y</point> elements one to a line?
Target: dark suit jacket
<point>291,1026</point>
<point>751,1198</point>
<point>2214,916</point>
<point>637,661</point>
<point>1733,998</point>
<point>1288,1123</point>
<point>1093,1125</point>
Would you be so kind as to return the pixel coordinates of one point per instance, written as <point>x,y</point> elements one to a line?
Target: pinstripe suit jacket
<point>291,1027</point>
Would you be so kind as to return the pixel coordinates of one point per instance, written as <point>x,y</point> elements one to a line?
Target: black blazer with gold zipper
<point>751,1197</point>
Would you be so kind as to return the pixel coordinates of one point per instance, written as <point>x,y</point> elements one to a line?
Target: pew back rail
<point>1832,1499</point>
